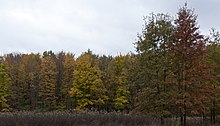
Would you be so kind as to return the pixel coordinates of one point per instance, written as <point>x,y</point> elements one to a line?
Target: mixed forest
<point>174,73</point>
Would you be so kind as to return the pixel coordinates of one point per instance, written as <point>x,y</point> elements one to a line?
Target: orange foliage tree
<point>191,73</point>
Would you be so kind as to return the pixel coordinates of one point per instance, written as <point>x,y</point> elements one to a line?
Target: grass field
<point>76,118</point>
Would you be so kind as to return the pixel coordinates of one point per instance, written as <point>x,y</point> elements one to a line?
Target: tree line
<point>175,73</point>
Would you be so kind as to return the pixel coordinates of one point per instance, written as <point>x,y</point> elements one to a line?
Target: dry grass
<point>82,118</point>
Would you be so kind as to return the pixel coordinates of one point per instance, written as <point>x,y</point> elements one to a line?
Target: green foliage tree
<point>87,89</point>
<point>152,48</point>
<point>133,78</point>
<point>119,83</point>
<point>214,58</point>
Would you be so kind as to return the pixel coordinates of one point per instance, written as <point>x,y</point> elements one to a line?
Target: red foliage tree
<point>191,73</point>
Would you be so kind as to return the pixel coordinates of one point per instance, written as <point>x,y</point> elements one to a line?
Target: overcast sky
<point>105,26</point>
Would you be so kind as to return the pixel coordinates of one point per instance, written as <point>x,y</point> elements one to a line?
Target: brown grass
<point>83,118</point>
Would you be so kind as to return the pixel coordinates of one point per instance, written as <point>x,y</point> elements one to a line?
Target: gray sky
<point>105,26</point>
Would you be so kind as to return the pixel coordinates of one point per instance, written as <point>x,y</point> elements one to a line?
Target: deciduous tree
<point>5,83</point>
<point>120,83</point>
<point>191,73</point>
<point>87,89</point>
<point>30,66</point>
<point>152,48</point>
<point>67,80</point>
<point>48,76</point>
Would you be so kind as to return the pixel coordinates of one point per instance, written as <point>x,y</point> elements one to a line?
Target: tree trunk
<point>214,111</point>
<point>184,123</point>
<point>181,119</point>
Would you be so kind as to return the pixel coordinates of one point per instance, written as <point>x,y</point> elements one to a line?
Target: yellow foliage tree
<point>48,82</point>
<point>4,88</point>
<point>87,89</point>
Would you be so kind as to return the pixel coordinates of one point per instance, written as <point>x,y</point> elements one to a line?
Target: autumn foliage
<point>175,73</point>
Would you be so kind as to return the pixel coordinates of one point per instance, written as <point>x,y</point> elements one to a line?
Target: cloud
<point>106,27</point>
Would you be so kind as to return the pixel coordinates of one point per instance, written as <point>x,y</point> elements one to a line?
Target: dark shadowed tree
<point>67,80</point>
<point>105,66</point>
<point>214,58</point>
<point>30,66</point>
<point>60,69</point>
<point>13,62</point>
